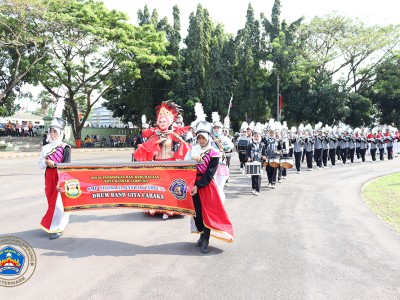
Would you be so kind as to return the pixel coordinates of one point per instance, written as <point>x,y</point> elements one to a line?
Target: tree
<point>344,46</point>
<point>361,110</point>
<point>284,47</point>
<point>92,49</point>
<point>133,98</point>
<point>384,91</point>
<point>249,96</point>
<point>23,40</point>
<point>218,79</point>
<point>197,55</point>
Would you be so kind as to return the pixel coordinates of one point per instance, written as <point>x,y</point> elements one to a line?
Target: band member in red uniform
<point>163,142</point>
<point>211,218</point>
<point>56,151</point>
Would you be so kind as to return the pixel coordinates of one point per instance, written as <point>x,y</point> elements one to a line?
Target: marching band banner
<point>162,186</point>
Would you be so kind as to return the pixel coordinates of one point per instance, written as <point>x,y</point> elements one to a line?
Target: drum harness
<point>256,151</point>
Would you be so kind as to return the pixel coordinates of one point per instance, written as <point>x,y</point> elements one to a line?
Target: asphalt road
<point>310,238</point>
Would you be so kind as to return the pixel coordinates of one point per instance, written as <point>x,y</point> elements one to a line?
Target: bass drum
<point>273,162</point>
<point>287,163</point>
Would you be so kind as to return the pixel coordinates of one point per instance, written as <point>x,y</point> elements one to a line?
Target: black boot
<point>55,235</point>
<point>200,241</point>
<point>204,246</point>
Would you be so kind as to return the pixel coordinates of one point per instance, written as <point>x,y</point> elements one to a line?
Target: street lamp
<point>269,66</point>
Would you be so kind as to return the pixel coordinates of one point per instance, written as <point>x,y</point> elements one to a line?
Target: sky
<point>232,14</point>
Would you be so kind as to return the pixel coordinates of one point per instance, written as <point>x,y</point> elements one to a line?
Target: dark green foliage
<point>385,90</point>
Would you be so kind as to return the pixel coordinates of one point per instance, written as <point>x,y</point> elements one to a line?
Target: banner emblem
<point>72,188</point>
<point>178,189</point>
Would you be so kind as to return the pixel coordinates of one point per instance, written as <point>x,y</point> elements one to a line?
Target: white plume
<point>271,122</point>
<point>199,112</point>
<point>308,127</point>
<point>342,126</point>
<point>59,108</point>
<point>244,126</point>
<point>227,122</point>
<point>318,125</point>
<point>277,125</point>
<point>215,117</point>
<point>144,119</point>
<point>251,125</point>
<point>258,127</point>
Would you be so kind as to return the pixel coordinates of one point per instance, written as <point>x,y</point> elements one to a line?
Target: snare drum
<point>253,168</point>
<point>273,162</point>
<point>287,162</point>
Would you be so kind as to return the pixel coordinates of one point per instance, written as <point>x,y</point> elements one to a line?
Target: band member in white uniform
<point>223,144</point>
<point>297,143</point>
<point>270,153</point>
<point>254,154</point>
<point>325,149</point>
<point>308,148</point>
<point>332,149</point>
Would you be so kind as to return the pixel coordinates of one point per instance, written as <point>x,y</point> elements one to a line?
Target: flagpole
<point>278,113</point>
<point>230,104</point>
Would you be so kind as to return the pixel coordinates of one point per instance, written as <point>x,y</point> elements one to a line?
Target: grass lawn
<point>382,196</point>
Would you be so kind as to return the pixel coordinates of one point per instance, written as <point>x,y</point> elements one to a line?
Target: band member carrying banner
<point>211,217</point>
<point>56,151</point>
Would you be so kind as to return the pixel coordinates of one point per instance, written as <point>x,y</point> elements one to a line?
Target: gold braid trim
<point>218,142</point>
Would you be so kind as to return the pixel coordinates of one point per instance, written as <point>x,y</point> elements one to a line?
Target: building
<point>102,117</point>
<point>23,118</point>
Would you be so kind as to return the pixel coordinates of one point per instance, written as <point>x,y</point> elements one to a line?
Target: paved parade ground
<point>310,238</point>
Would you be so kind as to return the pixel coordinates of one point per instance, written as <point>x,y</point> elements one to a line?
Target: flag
<point>280,102</point>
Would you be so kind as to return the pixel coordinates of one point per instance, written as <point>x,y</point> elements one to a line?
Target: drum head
<point>274,164</point>
<point>287,165</point>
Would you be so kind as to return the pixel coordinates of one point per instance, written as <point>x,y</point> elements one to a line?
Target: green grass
<point>382,196</point>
